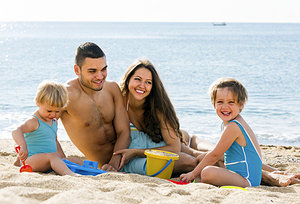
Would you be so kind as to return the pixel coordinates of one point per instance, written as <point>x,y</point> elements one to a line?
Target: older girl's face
<point>140,84</point>
<point>226,105</point>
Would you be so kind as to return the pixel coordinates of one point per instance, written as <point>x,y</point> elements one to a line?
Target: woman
<point>153,121</point>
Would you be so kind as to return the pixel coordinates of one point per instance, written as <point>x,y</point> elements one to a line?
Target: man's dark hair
<point>85,50</point>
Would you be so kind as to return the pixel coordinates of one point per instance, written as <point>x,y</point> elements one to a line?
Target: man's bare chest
<point>94,111</point>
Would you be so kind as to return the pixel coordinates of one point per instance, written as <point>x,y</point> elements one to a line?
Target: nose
<point>99,75</point>
<point>53,115</point>
<point>142,84</point>
<point>224,105</point>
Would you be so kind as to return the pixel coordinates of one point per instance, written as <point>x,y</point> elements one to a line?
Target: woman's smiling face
<point>140,84</point>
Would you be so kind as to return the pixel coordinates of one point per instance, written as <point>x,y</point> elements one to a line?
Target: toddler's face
<point>47,112</point>
<point>226,105</point>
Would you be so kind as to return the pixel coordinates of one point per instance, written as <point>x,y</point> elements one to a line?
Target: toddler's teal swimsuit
<point>139,140</point>
<point>244,160</point>
<point>43,139</point>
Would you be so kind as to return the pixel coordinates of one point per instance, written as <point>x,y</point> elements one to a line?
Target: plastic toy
<point>234,187</point>
<point>88,167</point>
<point>25,167</point>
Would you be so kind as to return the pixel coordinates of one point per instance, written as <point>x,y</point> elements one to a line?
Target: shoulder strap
<point>240,126</point>
<point>37,118</point>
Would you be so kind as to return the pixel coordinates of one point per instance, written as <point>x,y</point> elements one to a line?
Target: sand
<point>33,188</point>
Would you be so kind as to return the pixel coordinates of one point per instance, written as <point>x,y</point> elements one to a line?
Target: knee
<point>208,174</point>
<point>53,155</point>
<point>190,162</point>
<point>186,136</point>
<point>186,163</point>
<point>200,157</point>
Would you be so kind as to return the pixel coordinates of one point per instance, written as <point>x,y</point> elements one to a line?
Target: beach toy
<point>234,187</point>
<point>25,167</point>
<point>88,167</point>
<point>159,163</point>
<point>178,182</point>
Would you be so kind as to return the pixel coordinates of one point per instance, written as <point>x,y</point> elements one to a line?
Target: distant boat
<point>219,24</point>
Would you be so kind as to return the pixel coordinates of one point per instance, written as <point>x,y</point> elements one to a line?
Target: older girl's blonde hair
<point>237,88</point>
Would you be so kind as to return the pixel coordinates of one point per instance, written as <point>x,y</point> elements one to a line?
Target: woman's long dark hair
<point>156,102</point>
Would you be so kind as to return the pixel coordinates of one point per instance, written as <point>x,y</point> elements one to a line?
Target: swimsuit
<point>244,160</point>
<point>139,140</point>
<point>43,139</point>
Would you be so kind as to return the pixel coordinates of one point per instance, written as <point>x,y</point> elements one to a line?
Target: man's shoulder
<point>111,86</point>
<point>73,90</point>
<point>72,86</point>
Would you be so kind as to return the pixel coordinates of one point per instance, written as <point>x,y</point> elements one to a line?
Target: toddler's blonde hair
<point>52,93</point>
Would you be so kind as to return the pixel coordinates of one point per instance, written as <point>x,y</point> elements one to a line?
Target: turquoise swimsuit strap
<point>51,127</point>
<point>241,127</point>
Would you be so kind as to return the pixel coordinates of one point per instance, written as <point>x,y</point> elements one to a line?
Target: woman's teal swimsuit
<point>139,140</point>
<point>244,160</point>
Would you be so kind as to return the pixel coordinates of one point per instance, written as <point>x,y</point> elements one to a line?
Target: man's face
<point>92,73</point>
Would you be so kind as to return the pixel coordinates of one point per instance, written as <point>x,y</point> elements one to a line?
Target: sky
<point>152,10</point>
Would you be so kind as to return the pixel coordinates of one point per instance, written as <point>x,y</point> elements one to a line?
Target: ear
<point>77,69</point>
<point>242,106</point>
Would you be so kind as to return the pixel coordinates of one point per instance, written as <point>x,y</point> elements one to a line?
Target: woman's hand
<point>189,177</point>
<point>127,155</point>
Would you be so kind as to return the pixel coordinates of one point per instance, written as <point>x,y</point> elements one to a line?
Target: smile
<point>139,91</point>
<point>98,82</point>
<point>226,113</point>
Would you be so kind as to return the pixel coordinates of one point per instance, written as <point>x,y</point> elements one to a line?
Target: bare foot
<point>296,179</point>
<point>17,162</point>
<point>280,179</point>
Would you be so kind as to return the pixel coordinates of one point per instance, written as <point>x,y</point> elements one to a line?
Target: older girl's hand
<point>189,177</point>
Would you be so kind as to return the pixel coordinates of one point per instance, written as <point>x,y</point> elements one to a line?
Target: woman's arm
<point>173,143</point>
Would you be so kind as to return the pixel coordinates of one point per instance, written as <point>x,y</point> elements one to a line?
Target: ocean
<point>188,56</point>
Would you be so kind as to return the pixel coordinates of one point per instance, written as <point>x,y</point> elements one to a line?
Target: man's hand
<point>107,167</point>
<point>114,163</point>
<point>127,155</point>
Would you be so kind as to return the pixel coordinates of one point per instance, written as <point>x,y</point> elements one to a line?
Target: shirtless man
<point>95,118</point>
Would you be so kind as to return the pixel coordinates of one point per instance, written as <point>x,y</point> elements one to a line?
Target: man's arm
<point>121,125</point>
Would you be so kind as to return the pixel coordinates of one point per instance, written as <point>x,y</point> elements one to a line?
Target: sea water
<point>188,56</point>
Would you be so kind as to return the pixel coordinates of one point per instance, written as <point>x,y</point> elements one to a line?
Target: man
<point>95,118</point>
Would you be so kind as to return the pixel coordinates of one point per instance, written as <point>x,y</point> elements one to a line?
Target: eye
<point>219,102</point>
<point>149,82</point>
<point>137,79</point>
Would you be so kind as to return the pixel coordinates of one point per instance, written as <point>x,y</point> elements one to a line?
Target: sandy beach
<point>18,187</point>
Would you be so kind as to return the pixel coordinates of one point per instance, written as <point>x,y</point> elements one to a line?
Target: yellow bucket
<point>160,163</point>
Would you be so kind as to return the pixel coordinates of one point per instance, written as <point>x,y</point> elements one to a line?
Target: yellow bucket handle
<point>144,168</point>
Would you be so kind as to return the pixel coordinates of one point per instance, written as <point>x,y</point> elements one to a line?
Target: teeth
<point>139,91</point>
